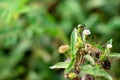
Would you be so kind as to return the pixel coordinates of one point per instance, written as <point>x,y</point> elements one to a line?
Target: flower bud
<point>109,45</point>
<point>63,48</point>
<point>72,75</point>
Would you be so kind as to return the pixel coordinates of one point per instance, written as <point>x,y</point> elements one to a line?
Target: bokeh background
<point>32,30</point>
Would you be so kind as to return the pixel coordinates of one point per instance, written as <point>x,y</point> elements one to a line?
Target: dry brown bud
<point>63,48</point>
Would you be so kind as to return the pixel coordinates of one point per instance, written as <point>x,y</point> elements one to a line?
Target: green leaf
<point>103,57</point>
<point>60,65</point>
<point>110,41</point>
<point>95,71</point>
<point>73,43</point>
<point>70,66</point>
<point>90,59</point>
<point>117,55</point>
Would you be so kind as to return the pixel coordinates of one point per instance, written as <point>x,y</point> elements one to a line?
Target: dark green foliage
<point>32,30</point>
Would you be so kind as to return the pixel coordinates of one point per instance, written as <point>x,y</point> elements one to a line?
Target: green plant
<point>87,60</point>
<point>30,33</point>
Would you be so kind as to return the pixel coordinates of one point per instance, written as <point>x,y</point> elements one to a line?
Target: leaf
<point>60,65</point>
<point>103,57</point>
<point>90,59</point>
<point>73,42</point>
<point>110,41</point>
<point>114,55</point>
<point>16,55</point>
<point>95,71</point>
<point>70,66</point>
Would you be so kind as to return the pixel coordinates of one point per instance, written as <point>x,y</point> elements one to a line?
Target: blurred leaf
<point>92,19</point>
<point>18,52</point>
<point>60,65</point>
<point>14,9</point>
<point>16,55</point>
<point>117,55</point>
<point>110,41</point>
<point>33,76</point>
<point>95,71</point>
<point>103,29</point>
<point>89,59</point>
<point>95,3</point>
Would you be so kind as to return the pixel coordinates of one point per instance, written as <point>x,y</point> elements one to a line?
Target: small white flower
<point>86,32</point>
<point>67,60</point>
<point>109,45</point>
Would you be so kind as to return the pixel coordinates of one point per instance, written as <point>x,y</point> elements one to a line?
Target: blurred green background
<point>32,30</point>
